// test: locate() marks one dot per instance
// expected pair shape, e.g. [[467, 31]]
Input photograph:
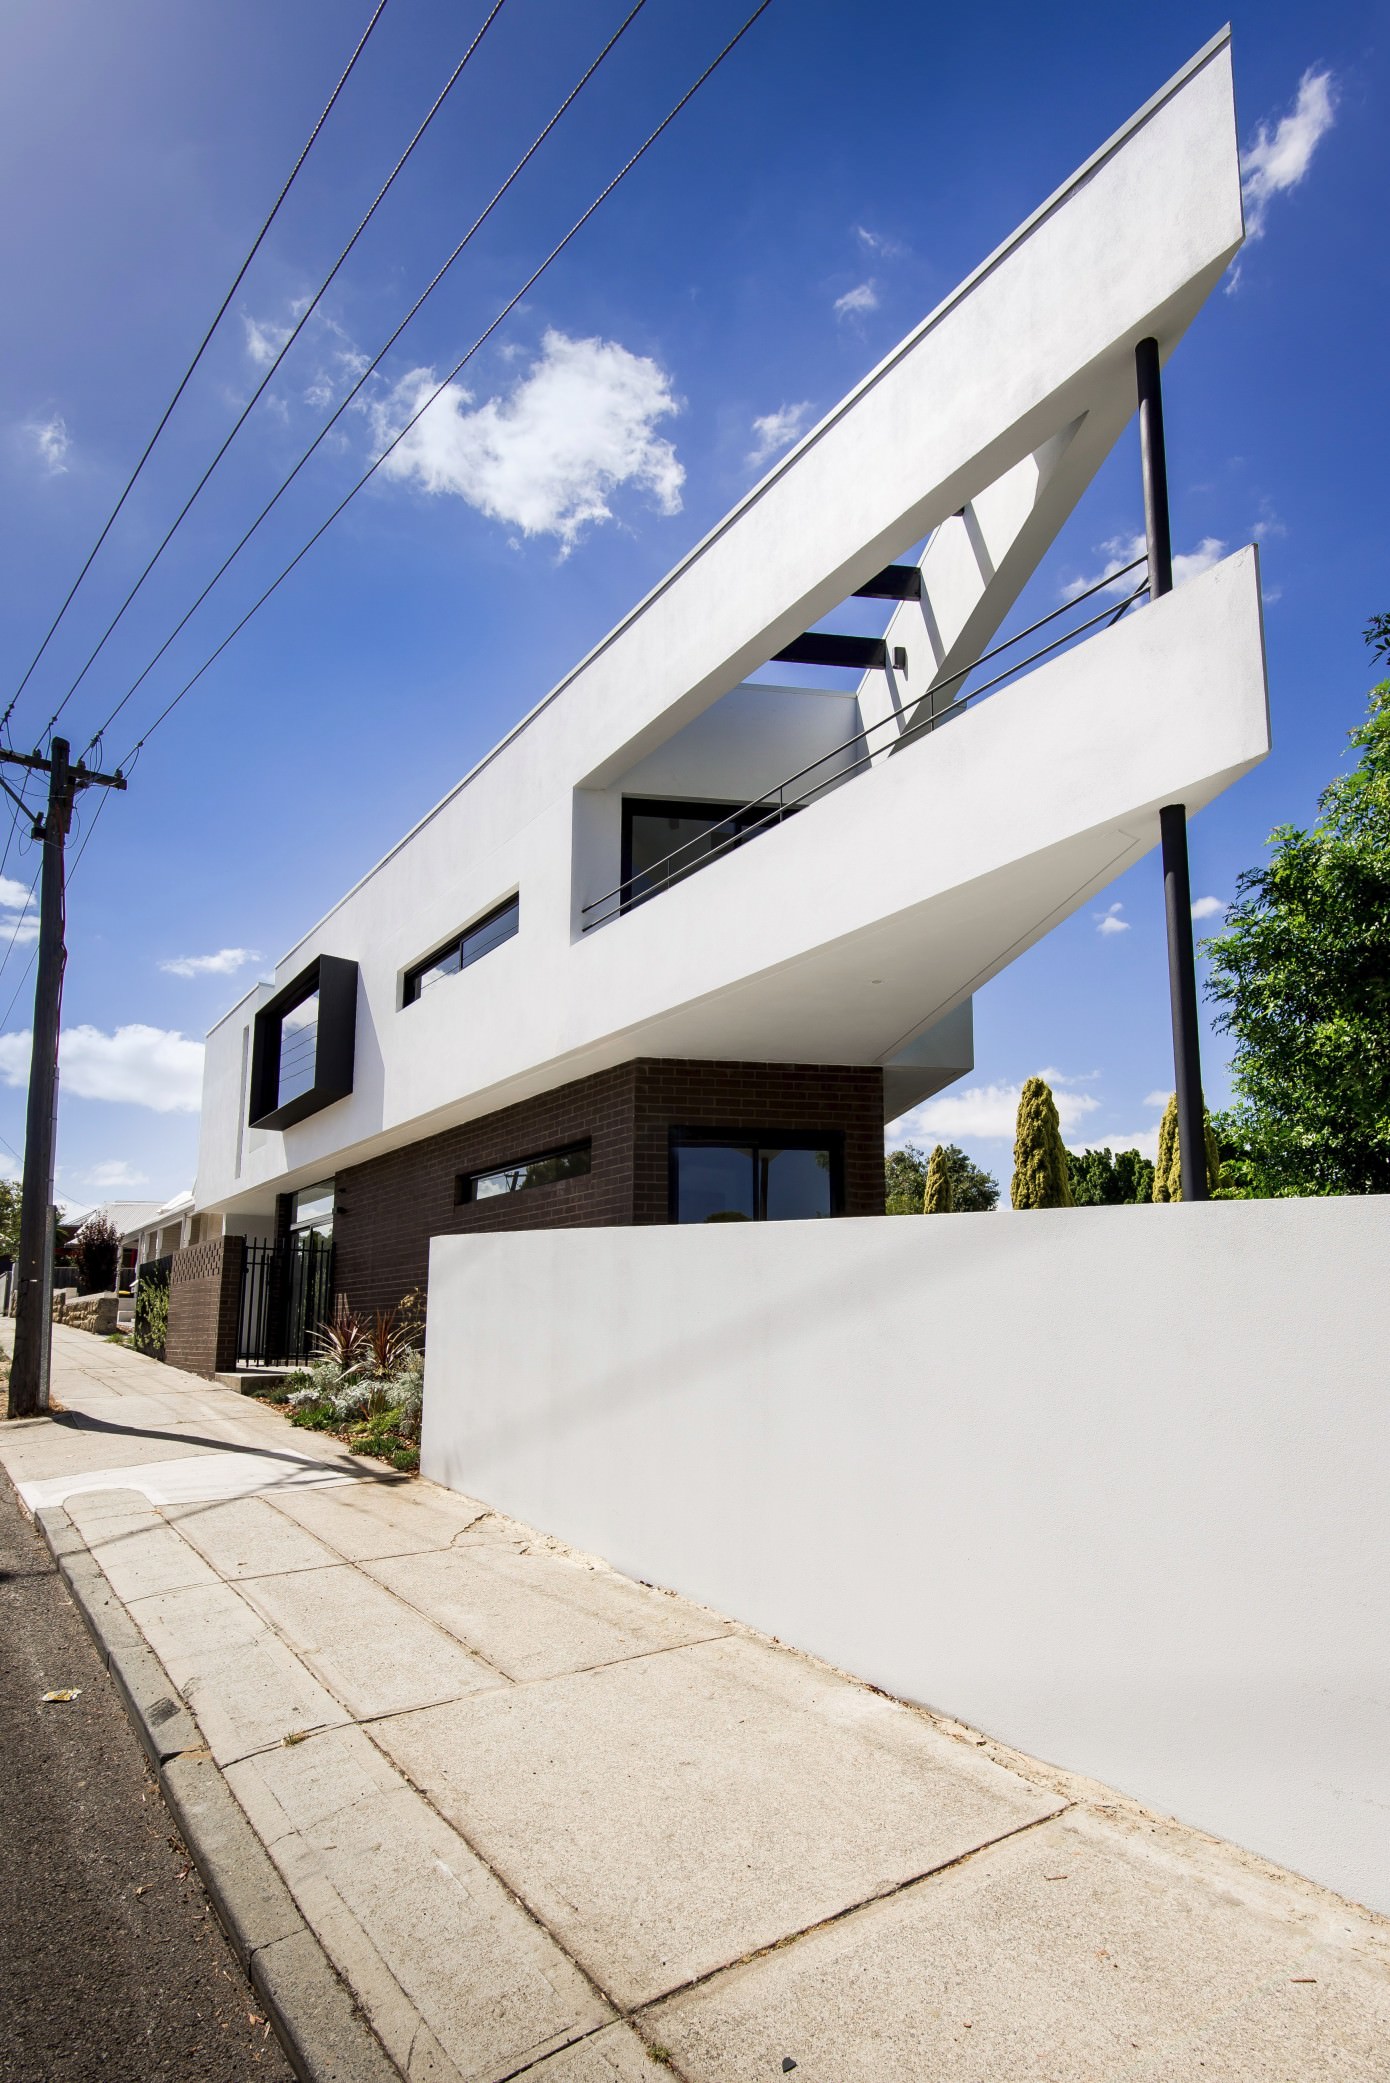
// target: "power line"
[[440, 388], [188, 372], [305, 315], [366, 373]]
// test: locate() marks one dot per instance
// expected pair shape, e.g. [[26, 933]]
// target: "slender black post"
[[33, 1317], [1172, 818]]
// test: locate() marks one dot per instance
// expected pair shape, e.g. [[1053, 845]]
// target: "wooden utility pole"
[[34, 1314]]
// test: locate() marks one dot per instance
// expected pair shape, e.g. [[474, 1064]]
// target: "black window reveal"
[[728, 1175], [467, 947], [527, 1172], [303, 1042]]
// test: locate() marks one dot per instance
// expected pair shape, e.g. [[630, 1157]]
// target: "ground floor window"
[[728, 1176], [525, 1173]]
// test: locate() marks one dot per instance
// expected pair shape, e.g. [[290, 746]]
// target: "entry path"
[[546, 1821]]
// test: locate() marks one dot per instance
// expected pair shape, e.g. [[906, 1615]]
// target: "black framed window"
[[547, 1169], [464, 949], [730, 1175], [695, 832], [303, 1044]]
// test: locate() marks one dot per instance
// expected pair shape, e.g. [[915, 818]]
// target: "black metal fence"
[[286, 1294]]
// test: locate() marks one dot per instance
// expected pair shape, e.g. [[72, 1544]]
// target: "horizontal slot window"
[[467, 947], [546, 1170]]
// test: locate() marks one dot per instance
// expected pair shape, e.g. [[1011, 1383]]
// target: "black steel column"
[[1177, 889]]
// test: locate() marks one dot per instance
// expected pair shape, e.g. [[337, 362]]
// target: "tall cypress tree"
[[1167, 1184], [1041, 1174], [938, 1198]]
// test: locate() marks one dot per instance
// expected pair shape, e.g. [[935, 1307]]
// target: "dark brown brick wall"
[[204, 1294], [388, 1209]]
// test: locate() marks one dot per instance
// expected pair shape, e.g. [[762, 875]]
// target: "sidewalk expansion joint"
[[840, 1916]]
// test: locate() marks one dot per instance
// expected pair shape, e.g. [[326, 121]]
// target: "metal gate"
[[286, 1294]]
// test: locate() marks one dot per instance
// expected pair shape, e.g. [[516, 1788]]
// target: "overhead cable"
[[188, 372], [440, 388], [369, 370], [303, 319]]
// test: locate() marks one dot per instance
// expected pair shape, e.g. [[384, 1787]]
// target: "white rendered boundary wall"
[[1109, 1484]]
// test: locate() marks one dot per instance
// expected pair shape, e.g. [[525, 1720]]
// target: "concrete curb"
[[315, 2014]]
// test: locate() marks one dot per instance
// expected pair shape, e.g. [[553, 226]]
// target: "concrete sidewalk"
[[543, 1820]]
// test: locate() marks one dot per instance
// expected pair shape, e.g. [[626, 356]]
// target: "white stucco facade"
[[857, 931]]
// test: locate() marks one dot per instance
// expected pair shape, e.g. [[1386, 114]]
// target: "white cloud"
[[140, 1066], [52, 442], [1207, 907], [1157, 1099], [225, 962], [777, 430], [115, 1172], [19, 914], [264, 339], [1121, 550], [879, 242], [1280, 157], [863, 297], [985, 1113], [1110, 921], [547, 457]]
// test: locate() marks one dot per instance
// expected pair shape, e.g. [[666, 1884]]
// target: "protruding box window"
[[302, 1052]]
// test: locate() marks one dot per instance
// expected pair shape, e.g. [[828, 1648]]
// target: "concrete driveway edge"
[[315, 2015]]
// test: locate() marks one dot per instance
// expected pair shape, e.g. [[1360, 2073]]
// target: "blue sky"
[[844, 169]]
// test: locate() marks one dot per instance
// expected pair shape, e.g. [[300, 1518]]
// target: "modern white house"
[[684, 940]]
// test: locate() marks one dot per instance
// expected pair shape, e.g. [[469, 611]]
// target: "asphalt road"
[[112, 1961]]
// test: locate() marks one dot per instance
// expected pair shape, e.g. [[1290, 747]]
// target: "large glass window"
[[779, 1177], [527, 1172], [299, 1041], [470, 946], [694, 832]]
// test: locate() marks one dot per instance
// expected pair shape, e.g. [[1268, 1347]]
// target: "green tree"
[[1302, 979], [936, 1200], [1136, 1177], [1099, 1180], [9, 1218], [973, 1190], [1167, 1174], [904, 1180], [1042, 1178], [96, 1253]]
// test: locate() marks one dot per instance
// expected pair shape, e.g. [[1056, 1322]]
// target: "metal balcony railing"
[[767, 810]]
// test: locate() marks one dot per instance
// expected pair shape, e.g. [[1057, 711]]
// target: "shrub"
[[152, 1310], [96, 1252], [1167, 1184], [937, 1198], [1042, 1178]]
